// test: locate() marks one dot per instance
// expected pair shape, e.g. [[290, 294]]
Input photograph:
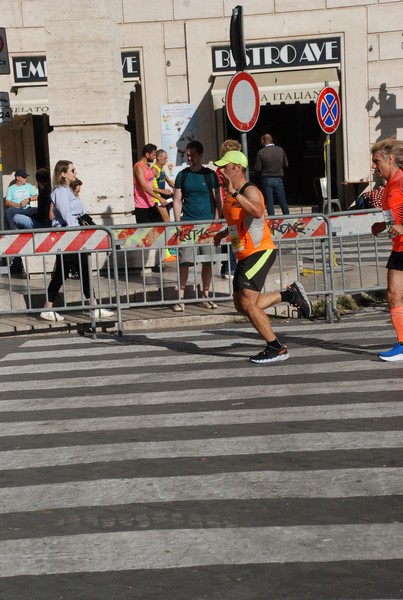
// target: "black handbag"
[[85, 220]]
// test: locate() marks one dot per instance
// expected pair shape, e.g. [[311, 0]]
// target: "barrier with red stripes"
[[156, 236], [66, 240]]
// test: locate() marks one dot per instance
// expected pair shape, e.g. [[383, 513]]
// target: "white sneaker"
[[102, 313], [209, 304], [180, 307], [51, 315]]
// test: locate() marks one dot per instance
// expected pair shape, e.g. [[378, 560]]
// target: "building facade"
[[95, 80]]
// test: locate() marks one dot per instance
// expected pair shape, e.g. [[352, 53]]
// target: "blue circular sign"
[[328, 110]]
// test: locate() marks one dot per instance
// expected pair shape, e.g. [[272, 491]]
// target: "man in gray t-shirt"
[[270, 163]]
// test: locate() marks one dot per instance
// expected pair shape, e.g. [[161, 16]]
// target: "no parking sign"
[[328, 110]]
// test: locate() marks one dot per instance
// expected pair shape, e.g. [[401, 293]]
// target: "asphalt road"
[[165, 466]]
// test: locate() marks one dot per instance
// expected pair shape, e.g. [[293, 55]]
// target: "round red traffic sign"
[[328, 110], [242, 101]]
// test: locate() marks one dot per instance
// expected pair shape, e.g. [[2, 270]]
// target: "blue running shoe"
[[396, 353]]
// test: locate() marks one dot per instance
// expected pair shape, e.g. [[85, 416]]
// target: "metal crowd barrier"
[[307, 237], [38, 249], [359, 257], [130, 266]]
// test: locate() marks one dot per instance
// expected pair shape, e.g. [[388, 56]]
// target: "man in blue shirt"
[[18, 202], [19, 197], [197, 197]]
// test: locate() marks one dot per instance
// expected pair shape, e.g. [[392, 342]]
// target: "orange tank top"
[[392, 206], [247, 233]]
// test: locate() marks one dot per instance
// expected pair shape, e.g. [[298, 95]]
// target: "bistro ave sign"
[[280, 55]]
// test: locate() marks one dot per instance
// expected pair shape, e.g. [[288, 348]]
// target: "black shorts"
[[148, 215], [395, 261], [251, 272]]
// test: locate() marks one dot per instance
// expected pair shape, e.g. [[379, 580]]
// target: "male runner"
[[251, 240]]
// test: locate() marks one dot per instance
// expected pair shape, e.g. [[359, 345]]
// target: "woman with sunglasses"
[[67, 207]]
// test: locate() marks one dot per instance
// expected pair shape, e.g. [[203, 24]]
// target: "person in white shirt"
[[67, 208]]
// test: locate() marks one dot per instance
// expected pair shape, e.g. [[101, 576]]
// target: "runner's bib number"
[[234, 237]]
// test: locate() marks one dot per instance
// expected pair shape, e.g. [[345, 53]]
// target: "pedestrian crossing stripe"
[[167, 454]]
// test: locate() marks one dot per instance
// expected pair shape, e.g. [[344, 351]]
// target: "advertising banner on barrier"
[[188, 234], [159, 236]]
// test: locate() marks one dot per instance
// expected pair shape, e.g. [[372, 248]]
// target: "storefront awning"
[[30, 100], [286, 87]]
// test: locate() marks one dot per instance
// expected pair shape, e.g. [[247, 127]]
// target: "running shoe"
[[269, 355], [396, 353], [300, 299]]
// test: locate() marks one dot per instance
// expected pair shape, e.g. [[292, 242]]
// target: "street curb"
[[23, 325]]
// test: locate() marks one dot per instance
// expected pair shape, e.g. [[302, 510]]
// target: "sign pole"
[[237, 42], [328, 113], [5, 111], [244, 144], [328, 175], [328, 171], [1, 192], [5, 117]]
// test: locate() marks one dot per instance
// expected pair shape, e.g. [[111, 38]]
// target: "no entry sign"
[[242, 101], [328, 110]]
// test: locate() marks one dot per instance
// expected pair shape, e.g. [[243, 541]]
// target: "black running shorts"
[[395, 261], [251, 272]]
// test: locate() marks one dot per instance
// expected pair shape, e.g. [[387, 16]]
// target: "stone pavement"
[[163, 465], [142, 317], [134, 319]]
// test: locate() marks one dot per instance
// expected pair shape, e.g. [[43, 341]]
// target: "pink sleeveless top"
[[141, 198]]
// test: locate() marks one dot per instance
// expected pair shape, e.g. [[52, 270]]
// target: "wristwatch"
[[235, 194]]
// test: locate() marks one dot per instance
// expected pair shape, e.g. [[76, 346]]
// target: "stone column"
[[87, 107]]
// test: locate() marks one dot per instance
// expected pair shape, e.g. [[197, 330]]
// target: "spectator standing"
[[67, 209], [159, 183], [76, 189], [387, 160], [270, 162], [145, 195], [197, 197], [252, 242], [150, 204]]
